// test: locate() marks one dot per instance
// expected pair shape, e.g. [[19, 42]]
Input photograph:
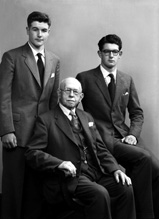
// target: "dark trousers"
[[106, 199], [144, 173], [155, 183], [12, 182]]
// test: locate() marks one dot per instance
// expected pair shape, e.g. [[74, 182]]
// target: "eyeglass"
[[108, 52], [68, 91]]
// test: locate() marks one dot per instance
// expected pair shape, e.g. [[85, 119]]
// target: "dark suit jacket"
[[21, 96], [110, 117], [53, 142]]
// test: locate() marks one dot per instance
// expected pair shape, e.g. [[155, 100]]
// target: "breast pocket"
[[124, 99]]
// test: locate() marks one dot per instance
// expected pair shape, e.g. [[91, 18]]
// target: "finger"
[[7, 145], [117, 178], [73, 171], [123, 139], [123, 179], [67, 173], [129, 181], [11, 144], [15, 142]]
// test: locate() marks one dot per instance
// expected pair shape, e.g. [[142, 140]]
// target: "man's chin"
[[71, 106], [37, 45]]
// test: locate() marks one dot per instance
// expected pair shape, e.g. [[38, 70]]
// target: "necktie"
[[40, 67], [111, 87], [74, 121]]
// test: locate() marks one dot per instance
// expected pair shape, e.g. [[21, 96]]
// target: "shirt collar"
[[106, 73], [35, 52], [66, 111]]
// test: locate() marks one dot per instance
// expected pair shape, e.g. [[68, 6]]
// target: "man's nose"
[[71, 93], [111, 54], [39, 33]]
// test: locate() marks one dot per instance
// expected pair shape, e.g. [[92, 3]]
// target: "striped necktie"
[[74, 121]]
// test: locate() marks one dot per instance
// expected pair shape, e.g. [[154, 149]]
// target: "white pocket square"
[[126, 93], [90, 124], [52, 75]]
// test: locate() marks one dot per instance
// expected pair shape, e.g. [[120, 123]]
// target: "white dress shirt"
[[106, 74], [66, 111], [35, 54]]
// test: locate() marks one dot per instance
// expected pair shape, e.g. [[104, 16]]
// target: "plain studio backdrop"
[[77, 26]]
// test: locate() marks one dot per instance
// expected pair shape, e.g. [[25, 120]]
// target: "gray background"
[[77, 26]]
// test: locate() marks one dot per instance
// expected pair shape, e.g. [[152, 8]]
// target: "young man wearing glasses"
[[108, 93]]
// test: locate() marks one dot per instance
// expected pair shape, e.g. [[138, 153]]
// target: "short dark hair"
[[111, 38], [38, 16]]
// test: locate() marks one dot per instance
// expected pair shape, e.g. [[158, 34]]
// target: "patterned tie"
[[40, 65], [111, 87], [74, 121]]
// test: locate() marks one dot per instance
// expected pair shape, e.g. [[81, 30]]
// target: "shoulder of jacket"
[[90, 71], [14, 50], [53, 55], [124, 74]]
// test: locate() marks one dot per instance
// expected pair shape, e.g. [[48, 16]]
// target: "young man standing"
[[29, 79], [108, 93]]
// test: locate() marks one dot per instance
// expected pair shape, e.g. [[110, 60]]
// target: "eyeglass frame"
[[107, 52], [69, 90]]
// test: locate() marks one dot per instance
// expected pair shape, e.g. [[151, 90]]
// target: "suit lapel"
[[119, 87], [104, 89], [84, 122], [31, 63], [63, 123], [48, 66], [101, 84]]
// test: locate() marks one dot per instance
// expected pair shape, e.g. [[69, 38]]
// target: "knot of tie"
[[39, 55], [111, 76], [74, 121]]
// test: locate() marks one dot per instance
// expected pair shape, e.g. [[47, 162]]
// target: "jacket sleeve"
[[135, 112], [36, 153], [54, 94], [7, 69]]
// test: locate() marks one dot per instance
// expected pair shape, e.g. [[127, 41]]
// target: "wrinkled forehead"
[[71, 83]]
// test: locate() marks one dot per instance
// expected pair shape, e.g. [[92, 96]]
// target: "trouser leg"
[[138, 164], [12, 183], [155, 185], [95, 198], [122, 198], [155, 178]]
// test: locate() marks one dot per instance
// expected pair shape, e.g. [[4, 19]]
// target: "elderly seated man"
[[66, 139]]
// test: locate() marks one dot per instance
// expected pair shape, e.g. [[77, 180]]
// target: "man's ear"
[[120, 53], [99, 53], [59, 93], [27, 30], [81, 97]]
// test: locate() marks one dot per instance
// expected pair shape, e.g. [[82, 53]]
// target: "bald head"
[[73, 81]]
